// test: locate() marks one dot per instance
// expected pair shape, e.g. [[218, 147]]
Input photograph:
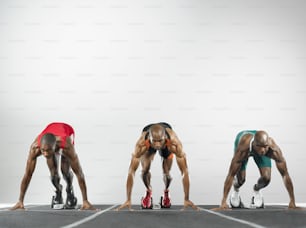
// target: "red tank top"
[[61, 130]]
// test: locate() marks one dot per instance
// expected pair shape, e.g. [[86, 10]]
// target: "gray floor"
[[43, 217]]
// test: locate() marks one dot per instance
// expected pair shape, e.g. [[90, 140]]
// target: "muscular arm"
[[69, 152], [233, 170], [282, 168], [30, 167], [176, 147], [140, 149], [240, 154], [130, 178]]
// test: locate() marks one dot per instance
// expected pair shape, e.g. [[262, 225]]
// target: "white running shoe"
[[235, 199], [257, 200]]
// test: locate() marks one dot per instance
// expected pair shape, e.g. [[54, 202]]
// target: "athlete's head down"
[[261, 142], [157, 136], [48, 145]]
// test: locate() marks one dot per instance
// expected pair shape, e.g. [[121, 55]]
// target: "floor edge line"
[[251, 224], [91, 217]]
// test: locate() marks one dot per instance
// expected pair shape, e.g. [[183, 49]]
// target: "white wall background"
[[108, 68]]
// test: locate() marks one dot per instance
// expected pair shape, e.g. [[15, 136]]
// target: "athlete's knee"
[[167, 177], [146, 177], [266, 179], [55, 179], [146, 174], [238, 182], [262, 182], [68, 177], [266, 176], [65, 164], [241, 180], [184, 172]]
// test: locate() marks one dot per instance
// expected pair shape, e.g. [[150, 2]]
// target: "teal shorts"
[[261, 161]]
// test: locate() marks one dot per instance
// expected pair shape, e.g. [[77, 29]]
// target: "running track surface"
[[43, 216]]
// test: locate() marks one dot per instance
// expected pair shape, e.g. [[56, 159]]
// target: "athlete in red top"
[[157, 137], [56, 139]]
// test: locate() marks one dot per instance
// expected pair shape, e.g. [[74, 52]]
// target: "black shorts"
[[164, 153]]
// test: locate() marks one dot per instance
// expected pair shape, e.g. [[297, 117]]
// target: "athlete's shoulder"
[[35, 149], [244, 143], [273, 146], [142, 145], [247, 137], [172, 138], [171, 134], [142, 139]]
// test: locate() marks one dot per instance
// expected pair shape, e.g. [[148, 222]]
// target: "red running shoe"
[[147, 201], [165, 201]]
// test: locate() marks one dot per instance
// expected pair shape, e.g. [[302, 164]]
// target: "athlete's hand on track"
[[292, 206], [18, 205], [127, 204], [223, 206], [189, 203], [87, 206]]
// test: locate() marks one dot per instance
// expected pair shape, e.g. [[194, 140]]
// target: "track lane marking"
[[91, 217], [251, 224], [7, 207]]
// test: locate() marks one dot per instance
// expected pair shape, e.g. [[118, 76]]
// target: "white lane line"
[[7, 207], [154, 211], [32, 206], [251, 224], [4, 209], [89, 217]]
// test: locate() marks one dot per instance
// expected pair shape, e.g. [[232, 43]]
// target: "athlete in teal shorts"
[[261, 161], [263, 148]]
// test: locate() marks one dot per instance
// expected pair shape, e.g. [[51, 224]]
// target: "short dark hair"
[[48, 139]]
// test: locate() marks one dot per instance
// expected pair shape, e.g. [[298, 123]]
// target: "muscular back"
[[243, 148], [244, 151]]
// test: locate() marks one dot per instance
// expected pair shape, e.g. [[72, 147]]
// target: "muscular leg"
[[167, 164], [53, 167], [71, 200], [55, 179], [239, 180], [67, 173], [146, 160], [235, 199], [264, 180], [165, 200]]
